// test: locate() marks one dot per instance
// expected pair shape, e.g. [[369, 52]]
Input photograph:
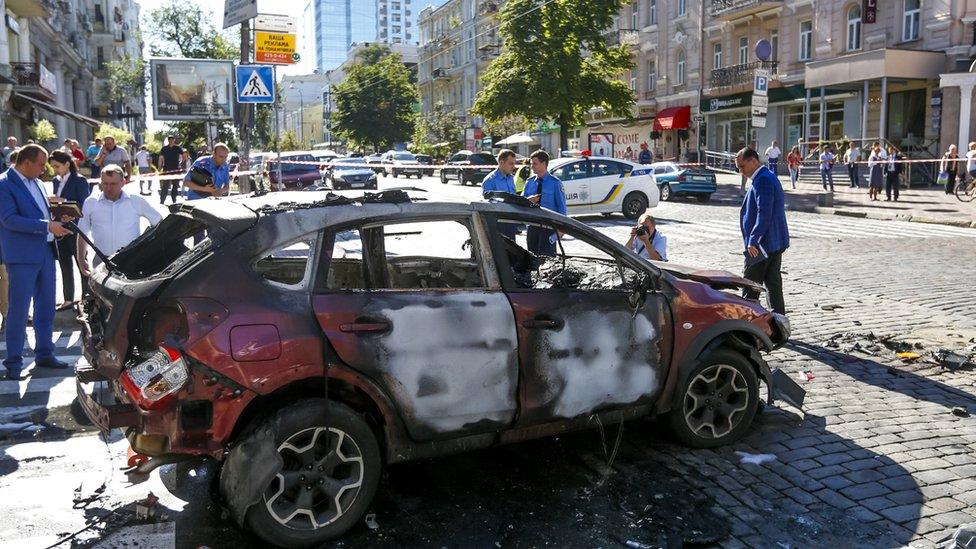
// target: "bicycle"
[[966, 192]]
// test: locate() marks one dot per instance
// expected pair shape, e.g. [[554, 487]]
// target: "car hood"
[[719, 280], [354, 172]]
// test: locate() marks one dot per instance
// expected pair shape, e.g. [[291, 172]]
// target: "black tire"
[[704, 197], [393, 173], [666, 194], [443, 178], [306, 421], [722, 388], [634, 205]]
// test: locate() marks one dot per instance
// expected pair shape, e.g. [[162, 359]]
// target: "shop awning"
[[673, 118], [58, 110], [874, 64]]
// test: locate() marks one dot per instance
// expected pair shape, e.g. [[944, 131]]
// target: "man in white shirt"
[[772, 156], [648, 242], [112, 217], [143, 165], [971, 160]]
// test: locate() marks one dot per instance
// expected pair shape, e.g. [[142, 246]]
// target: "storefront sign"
[[870, 11], [274, 47], [728, 102], [618, 141]]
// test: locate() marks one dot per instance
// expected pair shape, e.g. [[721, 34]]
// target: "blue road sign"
[[255, 84]]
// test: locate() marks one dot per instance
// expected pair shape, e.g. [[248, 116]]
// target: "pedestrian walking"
[[851, 157], [111, 153], [27, 237], [876, 168], [793, 161], [169, 166], [765, 234], [90, 154], [143, 163], [8, 150], [645, 154], [502, 179], [949, 169], [827, 167], [546, 190], [971, 160], [893, 173], [772, 157], [71, 186], [112, 217]]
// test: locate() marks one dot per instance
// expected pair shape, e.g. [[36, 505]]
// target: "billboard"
[[192, 89]]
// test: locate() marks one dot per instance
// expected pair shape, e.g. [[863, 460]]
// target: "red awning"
[[674, 118]]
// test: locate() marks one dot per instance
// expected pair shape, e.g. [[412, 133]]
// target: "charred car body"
[[304, 344]]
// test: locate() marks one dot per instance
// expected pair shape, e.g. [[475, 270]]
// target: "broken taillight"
[[153, 382]]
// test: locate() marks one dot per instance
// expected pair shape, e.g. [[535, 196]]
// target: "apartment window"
[[913, 11], [682, 7], [635, 16], [680, 68], [717, 56], [633, 80], [774, 42], [806, 40], [743, 50], [651, 75], [854, 28], [652, 12]]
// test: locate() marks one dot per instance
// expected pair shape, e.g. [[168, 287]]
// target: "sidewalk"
[[922, 205]]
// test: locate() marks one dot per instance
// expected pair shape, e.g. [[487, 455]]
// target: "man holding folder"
[[762, 220], [27, 237]]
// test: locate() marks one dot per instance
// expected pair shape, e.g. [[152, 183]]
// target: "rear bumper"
[[99, 403], [693, 188]]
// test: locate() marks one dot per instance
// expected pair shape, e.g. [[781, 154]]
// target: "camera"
[[641, 230]]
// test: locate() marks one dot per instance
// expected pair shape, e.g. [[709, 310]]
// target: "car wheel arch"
[[737, 335]]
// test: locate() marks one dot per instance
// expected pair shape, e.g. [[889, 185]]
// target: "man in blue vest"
[[762, 220], [546, 190], [27, 237]]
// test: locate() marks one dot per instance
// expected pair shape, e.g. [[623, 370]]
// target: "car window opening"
[[165, 247], [285, 265]]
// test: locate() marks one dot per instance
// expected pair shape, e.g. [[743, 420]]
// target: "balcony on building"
[[31, 8], [739, 75], [727, 10], [488, 7], [438, 73], [34, 79]]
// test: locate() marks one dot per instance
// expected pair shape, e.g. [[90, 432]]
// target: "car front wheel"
[[717, 402], [329, 474], [634, 205], [665, 192]]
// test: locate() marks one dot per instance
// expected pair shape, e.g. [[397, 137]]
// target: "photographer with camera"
[[646, 241]]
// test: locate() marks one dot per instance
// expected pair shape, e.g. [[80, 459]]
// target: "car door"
[[575, 185], [410, 305], [606, 184], [454, 172], [582, 346]]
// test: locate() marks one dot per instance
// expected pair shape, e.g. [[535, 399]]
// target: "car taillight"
[[682, 178], [153, 382]]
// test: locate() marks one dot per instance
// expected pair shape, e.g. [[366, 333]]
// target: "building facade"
[[115, 36]]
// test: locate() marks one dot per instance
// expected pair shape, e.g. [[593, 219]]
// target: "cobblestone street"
[[878, 458]]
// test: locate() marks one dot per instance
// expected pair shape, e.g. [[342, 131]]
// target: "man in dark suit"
[[27, 237], [762, 221]]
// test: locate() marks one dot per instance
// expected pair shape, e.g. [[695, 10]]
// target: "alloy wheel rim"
[[320, 478], [635, 208], [665, 192], [716, 401]]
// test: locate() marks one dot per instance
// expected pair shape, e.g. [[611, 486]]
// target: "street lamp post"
[[301, 111]]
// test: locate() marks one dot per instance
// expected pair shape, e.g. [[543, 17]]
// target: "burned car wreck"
[[307, 339]]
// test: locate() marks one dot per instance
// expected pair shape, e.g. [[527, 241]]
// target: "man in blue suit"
[[765, 235], [27, 237]]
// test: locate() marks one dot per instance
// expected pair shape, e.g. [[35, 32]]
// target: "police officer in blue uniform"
[[546, 190], [502, 179]]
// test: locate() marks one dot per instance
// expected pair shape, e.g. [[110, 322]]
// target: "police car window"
[[285, 265], [571, 171], [602, 168]]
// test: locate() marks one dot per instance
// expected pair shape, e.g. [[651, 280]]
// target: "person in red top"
[[793, 161], [76, 152]]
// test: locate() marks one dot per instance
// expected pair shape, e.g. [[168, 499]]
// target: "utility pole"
[[245, 113]]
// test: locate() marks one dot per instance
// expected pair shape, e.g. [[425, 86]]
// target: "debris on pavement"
[[754, 459], [831, 307], [951, 360], [805, 376], [83, 502], [960, 411], [146, 508], [371, 522], [963, 538], [909, 356]]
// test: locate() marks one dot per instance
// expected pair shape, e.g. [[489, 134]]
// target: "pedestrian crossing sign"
[[255, 84]]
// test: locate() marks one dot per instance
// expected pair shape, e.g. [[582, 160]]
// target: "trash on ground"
[[952, 360], [963, 538], [960, 411], [371, 522], [146, 509], [805, 376], [831, 307], [909, 356], [755, 459]]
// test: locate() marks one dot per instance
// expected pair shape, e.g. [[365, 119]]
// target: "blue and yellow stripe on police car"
[[611, 196]]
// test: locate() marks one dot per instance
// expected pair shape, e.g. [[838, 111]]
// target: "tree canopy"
[[555, 64], [441, 125], [375, 103]]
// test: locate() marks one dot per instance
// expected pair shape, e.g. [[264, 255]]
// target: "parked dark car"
[[297, 171], [351, 173], [426, 160], [456, 167], [307, 341]]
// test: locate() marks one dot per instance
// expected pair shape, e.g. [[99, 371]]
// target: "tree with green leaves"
[[507, 126], [556, 64], [374, 105], [127, 77], [441, 125], [183, 29]]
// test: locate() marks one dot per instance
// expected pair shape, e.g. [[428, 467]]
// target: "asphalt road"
[[878, 459]]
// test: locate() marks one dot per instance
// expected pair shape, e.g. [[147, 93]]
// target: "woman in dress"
[[70, 186], [876, 167]]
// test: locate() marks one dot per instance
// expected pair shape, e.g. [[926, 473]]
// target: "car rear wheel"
[[443, 177], [704, 197], [329, 474], [666, 192], [393, 173], [717, 402], [635, 204]]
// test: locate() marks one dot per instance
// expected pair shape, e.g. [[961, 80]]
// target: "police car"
[[603, 185]]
